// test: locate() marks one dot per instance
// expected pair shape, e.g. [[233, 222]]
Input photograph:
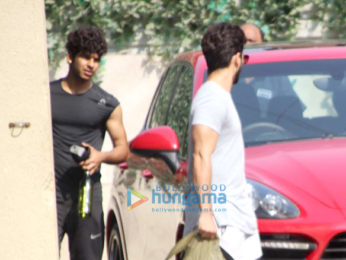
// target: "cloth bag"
[[197, 248]]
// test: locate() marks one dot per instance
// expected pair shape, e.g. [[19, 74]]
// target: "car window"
[[178, 115], [164, 96], [153, 102], [293, 100]]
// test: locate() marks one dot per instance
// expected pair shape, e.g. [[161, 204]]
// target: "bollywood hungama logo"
[[138, 195]]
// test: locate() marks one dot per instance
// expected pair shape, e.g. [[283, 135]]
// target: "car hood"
[[316, 166]]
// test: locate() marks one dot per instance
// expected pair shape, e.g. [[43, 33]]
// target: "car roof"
[[190, 57], [296, 54], [283, 52], [267, 46]]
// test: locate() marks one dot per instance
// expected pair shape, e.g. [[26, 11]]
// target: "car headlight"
[[269, 204]]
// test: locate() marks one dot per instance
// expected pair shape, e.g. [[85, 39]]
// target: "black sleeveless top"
[[76, 119]]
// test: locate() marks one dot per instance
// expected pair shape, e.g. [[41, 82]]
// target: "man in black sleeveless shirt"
[[81, 113]]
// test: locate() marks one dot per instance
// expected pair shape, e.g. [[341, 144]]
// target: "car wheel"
[[115, 249]]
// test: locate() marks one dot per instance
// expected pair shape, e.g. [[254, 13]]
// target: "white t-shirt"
[[214, 107]]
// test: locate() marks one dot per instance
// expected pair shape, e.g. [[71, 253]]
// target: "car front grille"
[[286, 247], [336, 248]]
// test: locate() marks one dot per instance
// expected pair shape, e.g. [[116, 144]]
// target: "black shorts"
[[86, 236]]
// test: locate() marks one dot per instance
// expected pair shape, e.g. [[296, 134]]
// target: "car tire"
[[115, 248]]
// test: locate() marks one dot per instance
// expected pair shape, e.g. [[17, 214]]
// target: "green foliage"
[[332, 14], [277, 18], [167, 27]]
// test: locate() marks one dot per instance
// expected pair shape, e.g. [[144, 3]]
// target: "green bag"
[[197, 248]]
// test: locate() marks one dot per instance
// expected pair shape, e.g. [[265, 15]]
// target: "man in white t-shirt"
[[216, 156]]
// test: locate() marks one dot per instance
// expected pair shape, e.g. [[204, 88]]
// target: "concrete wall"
[[27, 201]]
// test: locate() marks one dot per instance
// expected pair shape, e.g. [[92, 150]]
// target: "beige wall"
[[27, 201]]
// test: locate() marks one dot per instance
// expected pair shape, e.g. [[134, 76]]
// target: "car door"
[[177, 117], [144, 230]]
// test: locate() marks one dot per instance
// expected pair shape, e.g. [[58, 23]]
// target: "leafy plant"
[[278, 19], [332, 14], [167, 27]]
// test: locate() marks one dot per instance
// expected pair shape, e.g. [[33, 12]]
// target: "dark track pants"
[[86, 236]]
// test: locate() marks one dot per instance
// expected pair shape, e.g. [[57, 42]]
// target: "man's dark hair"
[[220, 42], [87, 39]]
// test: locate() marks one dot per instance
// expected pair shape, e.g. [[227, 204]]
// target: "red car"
[[292, 105]]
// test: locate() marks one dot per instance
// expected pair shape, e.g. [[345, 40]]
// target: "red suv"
[[292, 105]]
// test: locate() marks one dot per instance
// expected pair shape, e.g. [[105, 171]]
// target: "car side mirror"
[[159, 142]]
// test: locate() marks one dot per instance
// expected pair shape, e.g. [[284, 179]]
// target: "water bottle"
[[85, 196], [80, 153]]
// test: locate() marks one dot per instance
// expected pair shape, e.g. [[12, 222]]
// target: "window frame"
[[188, 66], [157, 95]]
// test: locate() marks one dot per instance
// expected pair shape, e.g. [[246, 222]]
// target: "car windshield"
[[287, 101]]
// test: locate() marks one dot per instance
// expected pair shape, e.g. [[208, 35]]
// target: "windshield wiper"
[[256, 143]]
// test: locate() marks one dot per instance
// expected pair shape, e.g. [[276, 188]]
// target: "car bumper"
[[319, 237]]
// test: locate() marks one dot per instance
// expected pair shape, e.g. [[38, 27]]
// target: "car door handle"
[[147, 174], [123, 166]]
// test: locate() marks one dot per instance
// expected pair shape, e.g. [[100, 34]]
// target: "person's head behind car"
[[253, 33]]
